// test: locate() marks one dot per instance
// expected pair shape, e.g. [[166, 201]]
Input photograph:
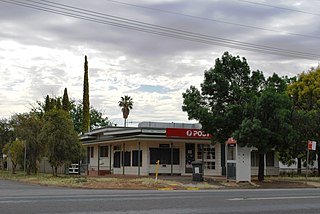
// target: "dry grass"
[[121, 182]]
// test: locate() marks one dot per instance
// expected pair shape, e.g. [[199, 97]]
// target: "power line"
[[278, 7], [214, 20], [101, 18]]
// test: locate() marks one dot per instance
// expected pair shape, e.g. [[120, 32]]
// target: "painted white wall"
[[243, 170]]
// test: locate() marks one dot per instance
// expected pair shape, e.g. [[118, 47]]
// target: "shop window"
[[104, 151], [270, 158], [209, 155], [88, 154], [92, 152], [254, 158], [117, 147], [164, 155], [127, 158], [135, 158], [116, 160], [210, 165], [208, 151]]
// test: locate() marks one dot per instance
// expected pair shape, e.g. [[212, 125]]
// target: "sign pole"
[[307, 165], [157, 170]]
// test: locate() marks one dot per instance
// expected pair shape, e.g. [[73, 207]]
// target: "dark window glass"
[[116, 160], [104, 151], [270, 158], [164, 155], [254, 158], [117, 147], [127, 158], [92, 152], [88, 154], [135, 158]]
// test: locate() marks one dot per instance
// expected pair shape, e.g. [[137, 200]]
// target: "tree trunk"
[[56, 171], [299, 166], [14, 168], [125, 122], [261, 167]]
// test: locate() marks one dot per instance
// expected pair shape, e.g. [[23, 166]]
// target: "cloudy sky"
[[151, 50]]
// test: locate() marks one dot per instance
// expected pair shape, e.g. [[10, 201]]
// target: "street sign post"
[[312, 145]]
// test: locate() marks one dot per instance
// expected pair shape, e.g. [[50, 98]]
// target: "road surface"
[[25, 198]]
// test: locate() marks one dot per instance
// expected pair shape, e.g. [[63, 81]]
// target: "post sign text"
[[186, 133]]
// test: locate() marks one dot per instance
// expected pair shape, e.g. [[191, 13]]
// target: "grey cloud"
[[153, 56]]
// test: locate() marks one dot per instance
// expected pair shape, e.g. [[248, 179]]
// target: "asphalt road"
[[24, 198]]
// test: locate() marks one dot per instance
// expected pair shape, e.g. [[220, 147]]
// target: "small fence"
[[294, 172]]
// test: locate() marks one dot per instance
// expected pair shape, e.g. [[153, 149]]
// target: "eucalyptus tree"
[[15, 151], [60, 139], [7, 133], [28, 126], [267, 123], [305, 94], [234, 101]]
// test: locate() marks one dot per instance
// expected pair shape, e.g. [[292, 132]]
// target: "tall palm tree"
[[126, 104]]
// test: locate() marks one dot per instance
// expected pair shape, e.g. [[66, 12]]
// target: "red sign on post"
[[187, 133], [312, 145]]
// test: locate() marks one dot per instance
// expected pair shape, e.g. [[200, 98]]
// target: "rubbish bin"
[[197, 171]]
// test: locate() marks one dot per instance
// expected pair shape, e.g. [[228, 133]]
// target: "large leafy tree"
[[126, 104], [15, 151], [224, 93], [7, 133], [85, 100], [97, 119], [305, 93], [27, 127], [62, 143], [266, 124], [232, 102]]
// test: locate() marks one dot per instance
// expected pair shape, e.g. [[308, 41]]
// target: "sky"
[[150, 50]]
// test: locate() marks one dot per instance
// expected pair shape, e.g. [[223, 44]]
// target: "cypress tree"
[[86, 104], [47, 104], [58, 103], [65, 101]]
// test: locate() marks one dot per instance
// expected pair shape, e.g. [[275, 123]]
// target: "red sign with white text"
[[187, 133], [312, 145]]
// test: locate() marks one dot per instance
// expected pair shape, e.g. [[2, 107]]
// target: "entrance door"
[[190, 156]]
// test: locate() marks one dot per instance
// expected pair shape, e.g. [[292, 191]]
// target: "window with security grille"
[[104, 151], [209, 155], [135, 158], [164, 156]]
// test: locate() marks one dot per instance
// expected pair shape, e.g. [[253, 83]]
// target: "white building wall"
[[146, 167]]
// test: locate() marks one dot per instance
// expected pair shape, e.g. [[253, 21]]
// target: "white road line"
[[274, 198]]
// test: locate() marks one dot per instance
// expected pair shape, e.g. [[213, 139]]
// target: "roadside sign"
[[312, 145]]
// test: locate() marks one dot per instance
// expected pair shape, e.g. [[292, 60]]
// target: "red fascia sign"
[[187, 133]]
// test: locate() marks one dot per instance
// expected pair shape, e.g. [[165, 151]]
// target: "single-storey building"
[[135, 151]]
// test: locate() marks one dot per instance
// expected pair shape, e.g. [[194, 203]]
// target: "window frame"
[[104, 151]]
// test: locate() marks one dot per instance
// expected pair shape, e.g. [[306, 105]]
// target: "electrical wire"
[[93, 16], [278, 7], [214, 20]]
